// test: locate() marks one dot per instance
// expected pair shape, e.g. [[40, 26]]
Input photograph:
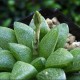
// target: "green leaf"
[[51, 74], [24, 34], [23, 71], [5, 75], [39, 63], [60, 58], [6, 35], [48, 43], [6, 60], [21, 52], [63, 34], [75, 66]]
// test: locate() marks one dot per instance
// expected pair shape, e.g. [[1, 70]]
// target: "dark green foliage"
[[11, 10]]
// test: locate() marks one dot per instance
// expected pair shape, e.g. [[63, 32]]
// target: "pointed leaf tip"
[[37, 19]]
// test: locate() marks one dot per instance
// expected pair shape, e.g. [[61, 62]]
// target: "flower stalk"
[[37, 22]]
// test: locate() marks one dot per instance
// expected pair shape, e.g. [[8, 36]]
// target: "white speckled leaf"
[[23, 71], [51, 74], [6, 60], [63, 33], [24, 34], [6, 35], [60, 58], [21, 52]]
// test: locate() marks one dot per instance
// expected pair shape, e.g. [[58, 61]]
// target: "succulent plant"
[[37, 52]]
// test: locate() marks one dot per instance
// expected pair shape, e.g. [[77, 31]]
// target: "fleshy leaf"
[[6, 35], [51, 74], [60, 58], [5, 75], [24, 34], [39, 63], [48, 43], [6, 60], [75, 66], [63, 33], [21, 52], [23, 71]]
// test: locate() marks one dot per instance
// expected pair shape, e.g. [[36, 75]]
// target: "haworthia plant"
[[38, 50], [48, 43], [63, 33], [24, 34], [44, 28], [21, 52], [75, 66], [6, 35], [51, 74], [5, 75], [23, 71], [39, 63], [60, 58], [6, 60]]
